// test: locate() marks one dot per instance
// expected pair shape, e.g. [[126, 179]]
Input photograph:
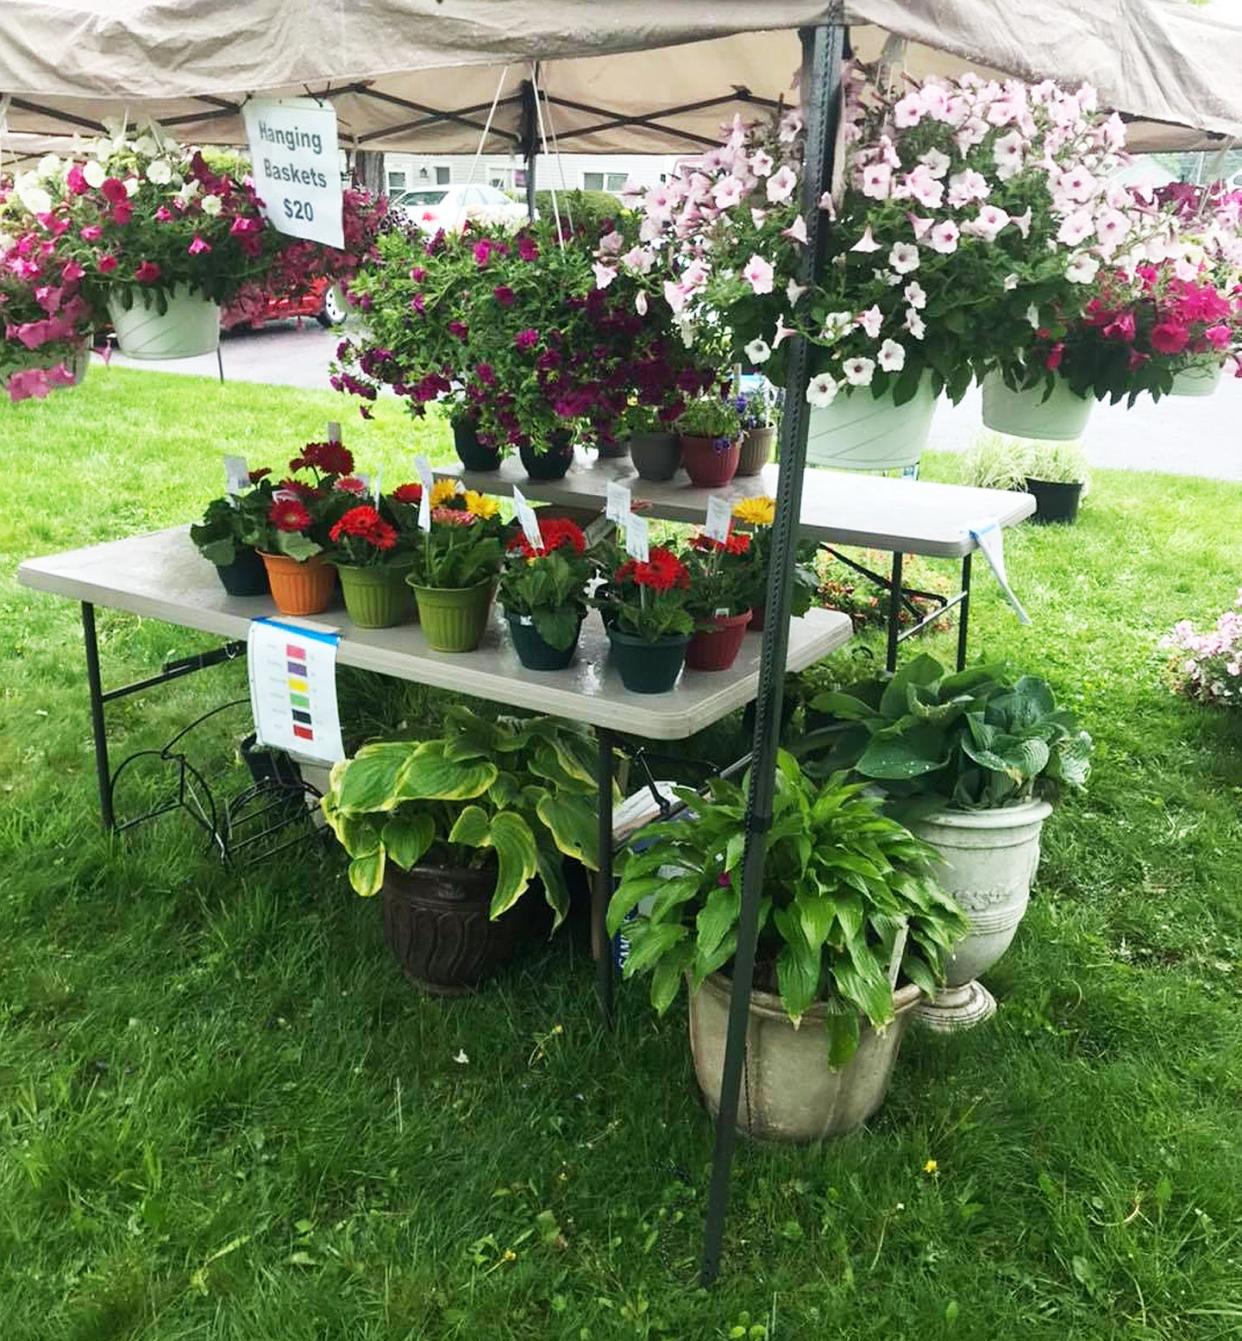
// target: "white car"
[[448, 207]]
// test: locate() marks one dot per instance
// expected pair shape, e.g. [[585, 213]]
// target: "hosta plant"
[[974, 740], [848, 909], [519, 794]]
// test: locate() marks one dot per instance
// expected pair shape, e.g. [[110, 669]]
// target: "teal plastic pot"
[[454, 619], [533, 650], [376, 598], [646, 667], [245, 576]]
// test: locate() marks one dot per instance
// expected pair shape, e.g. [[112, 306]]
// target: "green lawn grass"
[[224, 1115]]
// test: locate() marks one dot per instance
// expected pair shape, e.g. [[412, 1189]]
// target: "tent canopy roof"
[[631, 76]]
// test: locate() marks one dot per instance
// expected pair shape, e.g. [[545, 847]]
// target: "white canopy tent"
[[631, 76]]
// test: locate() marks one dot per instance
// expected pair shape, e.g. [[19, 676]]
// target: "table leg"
[[894, 613], [601, 894], [99, 726], [963, 614]]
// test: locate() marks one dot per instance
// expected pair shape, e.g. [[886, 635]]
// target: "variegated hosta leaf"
[[428, 776], [407, 837], [366, 874], [368, 781], [573, 822], [516, 859], [472, 828]]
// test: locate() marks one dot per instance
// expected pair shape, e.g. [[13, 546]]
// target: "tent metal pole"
[[822, 52], [528, 140]]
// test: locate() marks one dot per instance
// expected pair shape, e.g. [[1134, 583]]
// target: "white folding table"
[[162, 576], [900, 516]]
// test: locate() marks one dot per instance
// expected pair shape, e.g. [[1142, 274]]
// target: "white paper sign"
[[334, 431], [292, 672], [991, 540], [719, 518], [423, 468], [527, 519], [617, 502], [296, 166], [236, 475], [636, 538]]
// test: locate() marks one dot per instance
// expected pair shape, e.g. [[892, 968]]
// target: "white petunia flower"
[[915, 324], [892, 356], [159, 171], [49, 165], [836, 324], [758, 351], [904, 257], [871, 320], [131, 186], [1011, 282], [1082, 268], [858, 371], [821, 391], [211, 205], [31, 194], [914, 294]]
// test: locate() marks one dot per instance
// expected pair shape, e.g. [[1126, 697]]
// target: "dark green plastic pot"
[[245, 576], [470, 451], [534, 652], [645, 667]]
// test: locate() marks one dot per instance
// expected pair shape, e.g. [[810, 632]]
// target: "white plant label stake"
[[636, 538], [427, 479], [334, 431], [719, 518], [528, 521], [375, 492], [617, 503], [236, 475]]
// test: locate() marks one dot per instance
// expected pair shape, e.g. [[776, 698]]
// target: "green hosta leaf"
[[552, 873], [1071, 761], [797, 976], [366, 874], [369, 780], [516, 858], [716, 918], [978, 681], [707, 964], [1019, 760], [649, 942], [843, 1026], [472, 828], [898, 752], [917, 970], [920, 670], [628, 895], [849, 908], [573, 823], [866, 988], [357, 834], [407, 837], [672, 894], [666, 980], [505, 791], [428, 776], [816, 915]]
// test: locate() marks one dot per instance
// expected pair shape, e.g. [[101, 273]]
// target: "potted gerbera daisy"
[[372, 564], [296, 526], [454, 570], [723, 587], [644, 606], [755, 516], [543, 593]]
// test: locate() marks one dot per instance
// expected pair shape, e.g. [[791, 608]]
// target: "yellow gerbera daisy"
[[756, 511], [480, 504], [442, 490]]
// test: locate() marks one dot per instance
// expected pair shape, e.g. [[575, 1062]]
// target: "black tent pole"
[[528, 143], [820, 86]]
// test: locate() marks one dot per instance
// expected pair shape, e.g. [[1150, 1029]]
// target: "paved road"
[[1182, 435]]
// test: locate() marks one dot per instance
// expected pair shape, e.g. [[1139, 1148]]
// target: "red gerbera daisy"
[[332, 458], [662, 572], [365, 524], [558, 533], [408, 493], [288, 514]]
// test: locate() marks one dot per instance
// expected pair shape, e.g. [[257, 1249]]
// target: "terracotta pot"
[[756, 450], [376, 598], [304, 588], [454, 619], [757, 616], [436, 923], [656, 456], [788, 1091], [716, 649], [245, 576], [710, 462]]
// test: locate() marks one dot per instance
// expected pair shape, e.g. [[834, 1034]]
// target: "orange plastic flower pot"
[[300, 588]]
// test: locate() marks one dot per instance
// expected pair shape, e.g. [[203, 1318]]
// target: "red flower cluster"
[[407, 493], [737, 543], [332, 458], [364, 523], [306, 492], [288, 514], [558, 533], [662, 572]]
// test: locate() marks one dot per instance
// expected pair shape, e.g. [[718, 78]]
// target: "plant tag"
[[423, 467], [528, 521], [636, 538], [236, 475], [617, 502], [719, 518], [721, 612], [598, 529], [375, 491], [334, 431]]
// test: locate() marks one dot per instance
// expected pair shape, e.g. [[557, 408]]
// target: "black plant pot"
[[648, 667], [245, 576], [1054, 502], [533, 651], [436, 923], [470, 451], [267, 765], [550, 464]]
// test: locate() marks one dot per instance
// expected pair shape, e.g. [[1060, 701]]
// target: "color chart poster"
[[293, 689]]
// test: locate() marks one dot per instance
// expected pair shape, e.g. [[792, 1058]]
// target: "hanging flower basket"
[[861, 432], [1200, 379], [189, 325], [1062, 417]]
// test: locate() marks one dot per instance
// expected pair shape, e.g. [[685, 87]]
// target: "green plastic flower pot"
[[376, 598], [646, 667], [454, 619], [533, 651]]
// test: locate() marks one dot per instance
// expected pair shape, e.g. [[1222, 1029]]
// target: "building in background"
[[575, 172]]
